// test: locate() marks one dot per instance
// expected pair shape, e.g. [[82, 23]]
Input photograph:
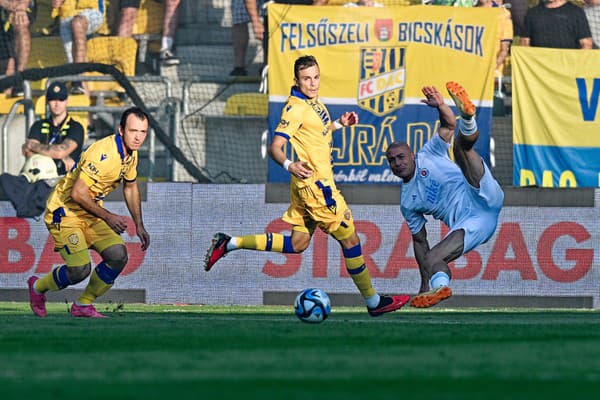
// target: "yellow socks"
[[274, 242], [95, 288], [355, 264]]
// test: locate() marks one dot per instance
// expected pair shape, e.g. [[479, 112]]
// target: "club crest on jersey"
[[347, 215], [102, 157], [382, 79], [73, 239], [424, 172]]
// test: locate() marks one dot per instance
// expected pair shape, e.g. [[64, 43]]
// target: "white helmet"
[[39, 167]]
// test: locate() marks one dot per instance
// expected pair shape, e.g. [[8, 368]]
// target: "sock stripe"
[[269, 244], [356, 271], [106, 274], [287, 245], [59, 274], [353, 252]]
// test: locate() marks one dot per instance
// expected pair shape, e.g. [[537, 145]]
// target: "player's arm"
[[421, 245], [131, 192], [421, 248], [300, 169], [346, 119], [80, 193], [433, 98]]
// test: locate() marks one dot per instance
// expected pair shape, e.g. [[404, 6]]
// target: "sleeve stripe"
[[283, 135]]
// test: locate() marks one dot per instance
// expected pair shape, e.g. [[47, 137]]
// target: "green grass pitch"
[[231, 352]]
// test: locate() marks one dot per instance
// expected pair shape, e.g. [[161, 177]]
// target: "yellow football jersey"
[[102, 166], [307, 125]]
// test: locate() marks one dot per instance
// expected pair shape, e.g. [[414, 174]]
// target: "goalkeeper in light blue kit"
[[461, 193]]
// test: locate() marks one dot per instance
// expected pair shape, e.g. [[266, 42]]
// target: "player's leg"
[[439, 274], [465, 155], [112, 249], [76, 268], [71, 243], [303, 227], [114, 259], [222, 244], [376, 304]]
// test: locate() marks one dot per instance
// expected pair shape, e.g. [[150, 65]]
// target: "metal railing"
[[27, 104], [168, 108]]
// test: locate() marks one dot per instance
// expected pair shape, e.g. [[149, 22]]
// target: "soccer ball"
[[312, 305]]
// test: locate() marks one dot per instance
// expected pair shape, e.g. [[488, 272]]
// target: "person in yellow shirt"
[[78, 19], [77, 220], [315, 200]]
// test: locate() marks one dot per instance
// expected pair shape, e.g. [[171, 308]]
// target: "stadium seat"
[[46, 52], [241, 104], [147, 27], [112, 50], [6, 103]]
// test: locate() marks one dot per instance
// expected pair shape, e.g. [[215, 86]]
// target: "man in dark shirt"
[[54, 141], [59, 136], [557, 24]]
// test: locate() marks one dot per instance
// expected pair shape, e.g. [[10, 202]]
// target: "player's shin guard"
[[274, 242], [101, 281], [55, 280], [355, 264]]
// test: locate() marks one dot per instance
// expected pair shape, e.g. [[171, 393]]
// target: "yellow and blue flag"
[[556, 131], [374, 61]]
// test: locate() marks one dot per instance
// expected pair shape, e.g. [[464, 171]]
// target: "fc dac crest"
[[382, 79]]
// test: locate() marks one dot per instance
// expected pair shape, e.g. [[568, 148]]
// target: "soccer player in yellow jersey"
[[77, 220], [315, 200]]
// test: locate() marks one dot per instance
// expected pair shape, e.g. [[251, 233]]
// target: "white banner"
[[535, 251]]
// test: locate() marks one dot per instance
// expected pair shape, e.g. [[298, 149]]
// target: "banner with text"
[[375, 61], [535, 251], [556, 140]]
